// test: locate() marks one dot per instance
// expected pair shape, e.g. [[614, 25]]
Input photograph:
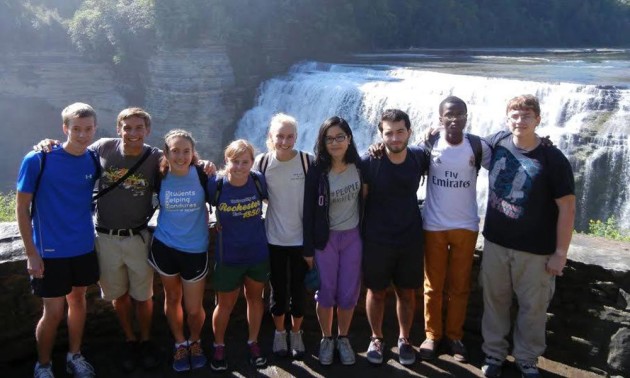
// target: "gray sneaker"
[[78, 367], [346, 353], [375, 351], [43, 371], [326, 349], [406, 353], [297, 345], [280, 344]]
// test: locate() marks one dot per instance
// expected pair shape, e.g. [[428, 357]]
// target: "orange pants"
[[448, 257]]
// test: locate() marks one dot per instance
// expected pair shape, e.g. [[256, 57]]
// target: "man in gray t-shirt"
[[122, 239]]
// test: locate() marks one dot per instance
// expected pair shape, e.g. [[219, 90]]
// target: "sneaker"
[[458, 350], [375, 351], [326, 349], [297, 345], [427, 349], [149, 355], [528, 369], [197, 357], [280, 348], [218, 363], [78, 366], [181, 358], [346, 353], [491, 367], [406, 353], [129, 356], [255, 356], [43, 371]]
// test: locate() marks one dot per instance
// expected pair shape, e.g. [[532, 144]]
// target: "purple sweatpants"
[[339, 265]]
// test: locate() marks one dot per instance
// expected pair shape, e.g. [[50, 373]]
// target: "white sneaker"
[[280, 344], [43, 371], [78, 366], [326, 349], [297, 345], [346, 353]]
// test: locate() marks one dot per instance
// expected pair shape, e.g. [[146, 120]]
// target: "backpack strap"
[[475, 143], [122, 179], [217, 194], [264, 162], [42, 164], [203, 180], [306, 161], [258, 185]]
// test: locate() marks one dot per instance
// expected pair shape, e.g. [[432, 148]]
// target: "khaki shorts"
[[124, 266]]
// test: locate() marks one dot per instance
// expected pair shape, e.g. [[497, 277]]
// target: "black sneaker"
[[129, 356], [218, 363], [149, 355], [255, 356]]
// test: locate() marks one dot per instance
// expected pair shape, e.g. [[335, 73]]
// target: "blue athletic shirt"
[[62, 221], [239, 210], [183, 220]]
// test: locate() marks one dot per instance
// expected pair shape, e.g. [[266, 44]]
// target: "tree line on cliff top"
[[114, 29]]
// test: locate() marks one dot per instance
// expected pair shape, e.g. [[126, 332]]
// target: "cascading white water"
[[587, 122]]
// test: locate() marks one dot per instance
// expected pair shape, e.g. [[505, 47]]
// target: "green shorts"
[[227, 278]]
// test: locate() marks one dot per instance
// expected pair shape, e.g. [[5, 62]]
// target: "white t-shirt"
[[451, 200], [285, 184]]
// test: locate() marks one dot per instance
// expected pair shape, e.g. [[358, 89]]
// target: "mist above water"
[[587, 113]]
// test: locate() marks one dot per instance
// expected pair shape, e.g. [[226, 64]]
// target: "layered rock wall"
[[193, 89]]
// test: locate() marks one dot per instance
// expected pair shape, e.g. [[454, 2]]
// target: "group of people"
[[352, 219]]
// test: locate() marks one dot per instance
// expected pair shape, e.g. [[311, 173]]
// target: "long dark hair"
[[322, 157]]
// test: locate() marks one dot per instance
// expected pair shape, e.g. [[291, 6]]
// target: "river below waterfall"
[[584, 94]]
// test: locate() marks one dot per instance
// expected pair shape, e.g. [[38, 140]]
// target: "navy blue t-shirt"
[[239, 210], [523, 186], [392, 216]]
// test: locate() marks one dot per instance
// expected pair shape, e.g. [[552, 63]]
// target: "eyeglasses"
[[524, 118], [339, 138], [460, 117]]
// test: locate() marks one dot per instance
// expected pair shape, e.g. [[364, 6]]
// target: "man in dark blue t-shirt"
[[528, 228], [393, 232]]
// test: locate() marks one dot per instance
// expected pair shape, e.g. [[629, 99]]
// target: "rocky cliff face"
[[35, 87], [190, 88], [193, 89]]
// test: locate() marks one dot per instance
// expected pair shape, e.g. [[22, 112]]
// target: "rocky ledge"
[[588, 330]]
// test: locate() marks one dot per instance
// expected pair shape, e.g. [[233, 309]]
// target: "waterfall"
[[589, 123]]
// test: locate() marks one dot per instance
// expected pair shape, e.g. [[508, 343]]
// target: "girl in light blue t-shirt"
[[180, 246]]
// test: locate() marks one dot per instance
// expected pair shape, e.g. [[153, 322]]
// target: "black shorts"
[[384, 264], [61, 275], [169, 261]]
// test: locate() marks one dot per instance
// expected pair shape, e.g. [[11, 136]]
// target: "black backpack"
[[203, 180], [257, 183], [475, 143], [42, 164]]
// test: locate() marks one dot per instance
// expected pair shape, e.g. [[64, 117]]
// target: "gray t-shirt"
[[130, 203], [345, 188]]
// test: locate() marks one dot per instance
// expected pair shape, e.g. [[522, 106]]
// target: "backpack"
[[217, 194], [42, 164], [264, 162], [475, 143], [203, 180]]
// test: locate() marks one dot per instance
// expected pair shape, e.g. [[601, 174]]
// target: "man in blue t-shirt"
[[54, 200], [528, 228], [392, 232]]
